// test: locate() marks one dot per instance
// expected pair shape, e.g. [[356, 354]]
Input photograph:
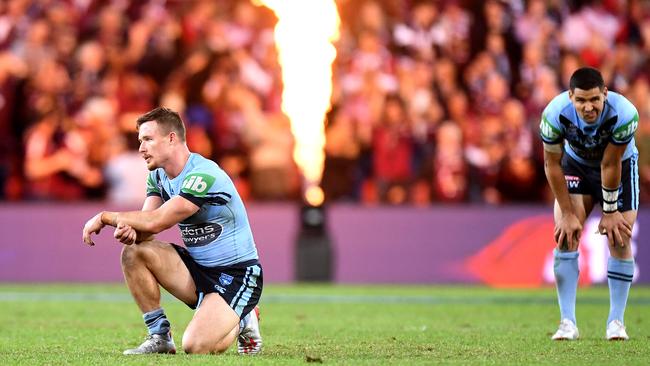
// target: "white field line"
[[280, 298]]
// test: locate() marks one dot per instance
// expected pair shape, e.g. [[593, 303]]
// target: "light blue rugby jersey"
[[218, 234], [586, 142]]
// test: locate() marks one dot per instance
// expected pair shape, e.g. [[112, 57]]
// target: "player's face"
[[588, 103], [153, 144]]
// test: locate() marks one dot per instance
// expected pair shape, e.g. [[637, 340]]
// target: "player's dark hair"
[[586, 78], [167, 119]]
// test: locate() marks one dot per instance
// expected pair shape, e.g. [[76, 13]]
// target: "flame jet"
[[304, 37]]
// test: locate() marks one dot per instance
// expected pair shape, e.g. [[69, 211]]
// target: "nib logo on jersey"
[[197, 184], [200, 235]]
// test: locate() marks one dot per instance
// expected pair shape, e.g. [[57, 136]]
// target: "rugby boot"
[[249, 341], [616, 331], [567, 331], [154, 343]]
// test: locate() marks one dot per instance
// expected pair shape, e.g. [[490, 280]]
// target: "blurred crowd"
[[433, 102]]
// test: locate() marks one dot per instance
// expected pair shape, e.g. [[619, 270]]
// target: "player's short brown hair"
[[167, 119]]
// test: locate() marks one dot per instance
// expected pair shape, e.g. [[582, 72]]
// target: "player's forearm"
[[610, 176], [610, 173], [557, 182], [140, 221]]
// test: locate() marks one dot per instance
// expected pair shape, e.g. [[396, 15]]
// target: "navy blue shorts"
[[239, 284], [583, 179]]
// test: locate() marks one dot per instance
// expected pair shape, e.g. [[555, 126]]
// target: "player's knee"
[[193, 345], [222, 346], [134, 254], [129, 256], [620, 251]]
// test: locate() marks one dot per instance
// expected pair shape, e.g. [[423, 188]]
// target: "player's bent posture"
[[590, 158], [217, 272]]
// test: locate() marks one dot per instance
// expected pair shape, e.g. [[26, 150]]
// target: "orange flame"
[[303, 37]]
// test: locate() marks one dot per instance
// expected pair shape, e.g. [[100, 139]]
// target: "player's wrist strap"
[[610, 199]]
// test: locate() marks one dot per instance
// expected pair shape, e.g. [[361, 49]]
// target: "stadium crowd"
[[433, 102]]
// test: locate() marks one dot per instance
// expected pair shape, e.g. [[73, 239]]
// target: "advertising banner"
[[506, 246]]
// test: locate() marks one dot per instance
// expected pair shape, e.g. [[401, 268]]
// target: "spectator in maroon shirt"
[[392, 151]]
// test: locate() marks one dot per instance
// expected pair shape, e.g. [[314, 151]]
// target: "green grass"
[[344, 325]]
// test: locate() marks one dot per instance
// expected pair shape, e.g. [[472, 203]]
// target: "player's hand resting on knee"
[[567, 233], [618, 230], [125, 234]]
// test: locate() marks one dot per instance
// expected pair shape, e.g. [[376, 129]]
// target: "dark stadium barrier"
[[314, 255], [506, 246]]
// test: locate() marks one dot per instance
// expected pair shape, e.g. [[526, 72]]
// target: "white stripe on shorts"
[[240, 301]]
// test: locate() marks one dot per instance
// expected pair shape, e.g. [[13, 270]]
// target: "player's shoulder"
[[627, 117], [154, 181], [198, 162], [557, 105], [621, 106], [202, 175], [157, 175], [550, 127]]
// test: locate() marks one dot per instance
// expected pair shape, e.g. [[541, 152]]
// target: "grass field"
[[344, 325]]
